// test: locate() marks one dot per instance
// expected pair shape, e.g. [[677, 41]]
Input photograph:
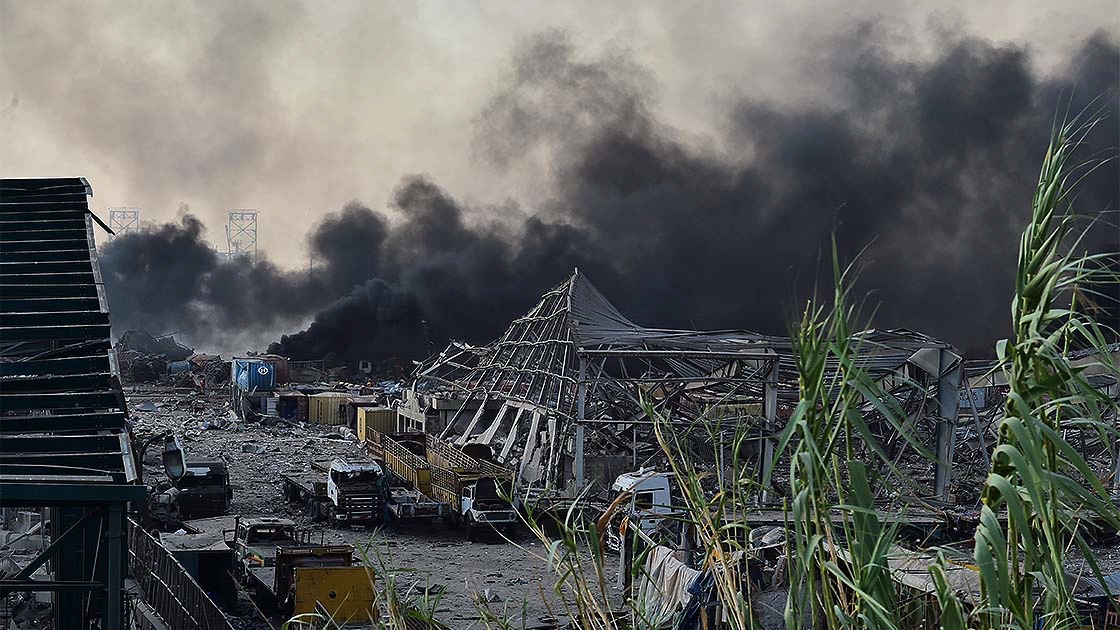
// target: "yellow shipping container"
[[327, 408], [380, 419]]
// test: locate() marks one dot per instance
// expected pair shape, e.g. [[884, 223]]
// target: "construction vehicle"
[[204, 489], [284, 569], [341, 492]]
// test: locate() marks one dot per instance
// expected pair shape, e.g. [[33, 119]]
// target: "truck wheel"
[[471, 529]]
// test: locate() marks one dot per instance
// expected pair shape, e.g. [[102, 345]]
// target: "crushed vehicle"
[[204, 489], [195, 488], [642, 499], [282, 567]]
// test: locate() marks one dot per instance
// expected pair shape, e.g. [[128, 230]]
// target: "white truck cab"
[[484, 503], [355, 491], [643, 498]]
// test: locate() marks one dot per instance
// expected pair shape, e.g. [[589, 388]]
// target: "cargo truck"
[[477, 491], [284, 569], [341, 492], [412, 498]]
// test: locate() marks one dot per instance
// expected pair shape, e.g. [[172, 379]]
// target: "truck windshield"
[[264, 534], [361, 476], [492, 489], [199, 481]]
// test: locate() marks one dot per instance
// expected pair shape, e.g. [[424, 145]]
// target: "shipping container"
[[253, 374], [356, 403], [292, 406], [379, 419], [328, 408]]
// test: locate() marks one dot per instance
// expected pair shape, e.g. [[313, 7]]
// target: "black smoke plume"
[[929, 165]]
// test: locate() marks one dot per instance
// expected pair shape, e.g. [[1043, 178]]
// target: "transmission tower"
[[241, 233], [124, 220]]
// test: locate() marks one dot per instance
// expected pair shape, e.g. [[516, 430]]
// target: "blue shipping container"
[[250, 374]]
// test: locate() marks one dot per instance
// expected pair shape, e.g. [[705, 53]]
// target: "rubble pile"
[[22, 537], [148, 358]]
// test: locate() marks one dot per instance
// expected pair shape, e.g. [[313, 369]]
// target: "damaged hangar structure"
[[561, 395]]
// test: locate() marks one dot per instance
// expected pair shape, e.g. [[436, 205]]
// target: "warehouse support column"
[[581, 402], [948, 400], [770, 414]]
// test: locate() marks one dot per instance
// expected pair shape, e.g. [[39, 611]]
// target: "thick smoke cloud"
[[929, 165], [168, 278]]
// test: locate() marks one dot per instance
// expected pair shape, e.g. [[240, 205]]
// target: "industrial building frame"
[[575, 364], [64, 441]]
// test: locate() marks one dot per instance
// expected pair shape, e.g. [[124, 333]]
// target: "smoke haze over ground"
[[923, 148]]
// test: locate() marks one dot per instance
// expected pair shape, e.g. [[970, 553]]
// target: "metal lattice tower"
[[241, 233], [124, 220]]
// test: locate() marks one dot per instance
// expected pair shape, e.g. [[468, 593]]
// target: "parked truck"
[[411, 498], [343, 493], [283, 568], [478, 502], [478, 490], [204, 490]]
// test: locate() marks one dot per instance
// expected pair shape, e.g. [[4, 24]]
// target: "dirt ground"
[[511, 577]]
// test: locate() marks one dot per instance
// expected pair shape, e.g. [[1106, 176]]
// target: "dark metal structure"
[[64, 441], [574, 365]]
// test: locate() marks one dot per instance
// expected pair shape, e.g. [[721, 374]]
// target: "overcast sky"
[[295, 108]]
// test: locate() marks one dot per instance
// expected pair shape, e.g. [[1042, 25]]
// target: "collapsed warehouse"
[[575, 374], [256, 455]]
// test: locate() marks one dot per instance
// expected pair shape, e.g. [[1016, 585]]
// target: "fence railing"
[[168, 588]]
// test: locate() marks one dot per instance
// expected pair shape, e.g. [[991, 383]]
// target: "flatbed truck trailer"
[[412, 498], [477, 491], [308, 489]]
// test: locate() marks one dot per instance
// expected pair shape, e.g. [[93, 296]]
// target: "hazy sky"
[[295, 108]]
